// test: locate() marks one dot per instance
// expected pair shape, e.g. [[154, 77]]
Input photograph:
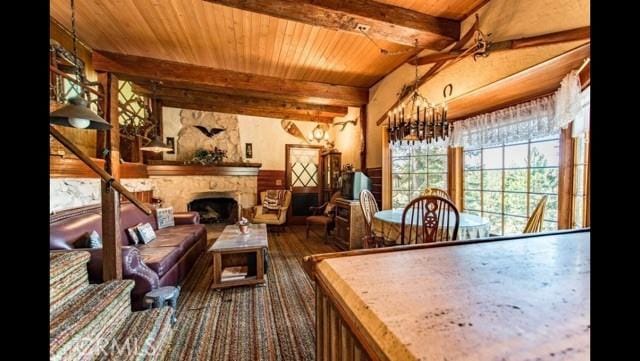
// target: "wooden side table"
[[239, 259]]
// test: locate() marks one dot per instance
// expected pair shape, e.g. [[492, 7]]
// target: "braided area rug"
[[272, 322]]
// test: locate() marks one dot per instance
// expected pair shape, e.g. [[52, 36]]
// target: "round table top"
[[395, 216]]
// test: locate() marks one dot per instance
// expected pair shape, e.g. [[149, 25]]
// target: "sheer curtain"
[[538, 118], [516, 123], [581, 121]]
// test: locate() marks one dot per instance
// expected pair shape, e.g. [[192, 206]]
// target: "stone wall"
[[190, 138], [178, 191], [67, 193]]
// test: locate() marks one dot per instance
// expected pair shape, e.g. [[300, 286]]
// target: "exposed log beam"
[[195, 96], [582, 33], [387, 22], [223, 107], [132, 67]]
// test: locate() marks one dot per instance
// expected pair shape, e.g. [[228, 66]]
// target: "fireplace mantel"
[[176, 168]]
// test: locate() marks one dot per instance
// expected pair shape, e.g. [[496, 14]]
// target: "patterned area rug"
[[271, 322]]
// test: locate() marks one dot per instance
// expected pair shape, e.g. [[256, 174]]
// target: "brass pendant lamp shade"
[[156, 145], [76, 114]]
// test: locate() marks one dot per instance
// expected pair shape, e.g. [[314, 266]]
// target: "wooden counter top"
[[517, 299]]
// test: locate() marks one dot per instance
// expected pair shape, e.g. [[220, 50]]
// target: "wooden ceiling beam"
[[387, 22], [195, 96], [137, 67], [583, 33], [222, 107]]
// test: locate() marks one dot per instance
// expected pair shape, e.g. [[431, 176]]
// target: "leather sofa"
[[165, 261]]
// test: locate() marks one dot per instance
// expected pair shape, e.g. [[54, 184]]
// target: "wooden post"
[[136, 153], [156, 106], [111, 244], [363, 147], [455, 171], [565, 181], [386, 171]]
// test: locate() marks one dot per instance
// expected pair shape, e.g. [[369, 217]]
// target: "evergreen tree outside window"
[[415, 168], [504, 183]]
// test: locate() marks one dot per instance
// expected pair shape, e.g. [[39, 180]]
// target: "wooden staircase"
[[94, 321]]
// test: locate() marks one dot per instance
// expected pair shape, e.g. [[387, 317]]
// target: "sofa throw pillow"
[[89, 240], [132, 232], [94, 240], [146, 233], [165, 217], [273, 201]]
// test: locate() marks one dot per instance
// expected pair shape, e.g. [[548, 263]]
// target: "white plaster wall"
[[170, 127], [66, 193], [268, 139], [349, 140], [504, 19], [266, 135]]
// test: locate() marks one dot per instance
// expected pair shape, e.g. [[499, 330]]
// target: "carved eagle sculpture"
[[207, 132]]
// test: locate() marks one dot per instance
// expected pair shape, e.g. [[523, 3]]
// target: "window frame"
[[445, 154], [502, 190]]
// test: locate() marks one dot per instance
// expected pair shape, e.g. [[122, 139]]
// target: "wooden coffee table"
[[239, 259]]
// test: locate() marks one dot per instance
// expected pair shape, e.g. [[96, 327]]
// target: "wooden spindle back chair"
[[429, 219], [436, 192], [369, 208], [534, 224]]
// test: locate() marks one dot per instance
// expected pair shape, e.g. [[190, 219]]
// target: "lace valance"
[[513, 124], [534, 119]]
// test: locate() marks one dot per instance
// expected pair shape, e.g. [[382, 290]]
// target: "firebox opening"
[[215, 210]]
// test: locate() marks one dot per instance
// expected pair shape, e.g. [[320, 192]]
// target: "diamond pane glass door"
[[303, 179]]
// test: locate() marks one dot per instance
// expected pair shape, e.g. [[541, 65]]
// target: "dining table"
[[387, 224]]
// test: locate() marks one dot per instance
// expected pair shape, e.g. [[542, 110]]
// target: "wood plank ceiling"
[[212, 35]]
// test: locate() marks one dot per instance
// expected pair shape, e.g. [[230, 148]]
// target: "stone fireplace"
[[216, 207], [180, 191]]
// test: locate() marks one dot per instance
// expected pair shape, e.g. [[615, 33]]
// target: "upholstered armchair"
[[272, 218]]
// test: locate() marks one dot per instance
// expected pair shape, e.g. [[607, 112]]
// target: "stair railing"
[[106, 177]]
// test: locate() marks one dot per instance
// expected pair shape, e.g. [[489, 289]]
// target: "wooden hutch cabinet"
[[349, 223], [331, 165]]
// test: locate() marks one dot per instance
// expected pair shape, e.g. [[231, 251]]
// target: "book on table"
[[234, 273]]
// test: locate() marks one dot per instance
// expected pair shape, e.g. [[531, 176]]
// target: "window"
[[580, 181], [415, 168], [504, 183], [132, 106], [580, 133]]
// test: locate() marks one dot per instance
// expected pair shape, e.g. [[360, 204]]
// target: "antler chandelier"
[[417, 119]]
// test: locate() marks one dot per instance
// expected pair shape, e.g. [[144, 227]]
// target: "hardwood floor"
[[271, 322]]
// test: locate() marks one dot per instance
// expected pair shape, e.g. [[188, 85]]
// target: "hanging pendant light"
[[156, 144], [417, 119], [76, 113]]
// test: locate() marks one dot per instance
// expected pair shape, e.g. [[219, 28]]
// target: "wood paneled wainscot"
[[516, 298], [349, 224]]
